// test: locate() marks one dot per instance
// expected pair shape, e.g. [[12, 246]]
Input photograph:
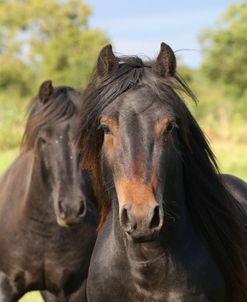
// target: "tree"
[[225, 50], [46, 39]]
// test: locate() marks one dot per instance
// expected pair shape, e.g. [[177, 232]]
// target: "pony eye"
[[42, 140], [41, 143], [170, 127], [106, 129]]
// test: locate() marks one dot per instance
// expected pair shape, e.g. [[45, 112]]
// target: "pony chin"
[[62, 223], [143, 239]]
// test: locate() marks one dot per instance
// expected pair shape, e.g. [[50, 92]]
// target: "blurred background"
[[60, 40]]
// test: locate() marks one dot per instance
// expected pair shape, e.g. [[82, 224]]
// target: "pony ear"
[[45, 91], [165, 64], [106, 62]]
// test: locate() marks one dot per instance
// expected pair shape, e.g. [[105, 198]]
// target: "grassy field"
[[231, 158], [228, 137], [32, 297]]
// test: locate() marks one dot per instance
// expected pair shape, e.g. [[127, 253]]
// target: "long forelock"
[[65, 100], [131, 73]]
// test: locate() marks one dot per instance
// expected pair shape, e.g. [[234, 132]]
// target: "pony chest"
[[146, 284], [160, 282]]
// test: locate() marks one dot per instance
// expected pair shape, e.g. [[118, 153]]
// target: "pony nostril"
[[155, 222], [127, 223], [61, 209], [82, 208]]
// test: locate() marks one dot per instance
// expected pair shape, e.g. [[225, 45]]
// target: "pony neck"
[[177, 221]]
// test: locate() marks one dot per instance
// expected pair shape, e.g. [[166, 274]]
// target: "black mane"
[[61, 107]]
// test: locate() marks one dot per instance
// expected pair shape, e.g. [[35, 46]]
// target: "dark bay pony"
[[48, 214], [170, 228]]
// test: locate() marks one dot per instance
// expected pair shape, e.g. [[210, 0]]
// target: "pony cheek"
[[107, 153], [109, 150]]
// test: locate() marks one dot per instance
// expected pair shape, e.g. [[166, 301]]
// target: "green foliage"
[[220, 115], [6, 158], [46, 39], [186, 72], [12, 116], [231, 158], [225, 56]]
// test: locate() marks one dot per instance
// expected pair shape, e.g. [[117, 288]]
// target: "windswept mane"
[[213, 210], [60, 107]]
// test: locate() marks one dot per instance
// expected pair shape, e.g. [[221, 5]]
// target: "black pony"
[[48, 216], [170, 230]]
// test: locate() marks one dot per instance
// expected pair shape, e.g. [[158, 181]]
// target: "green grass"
[[213, 116], [231, 158], [7, 157], [32, 297], [12, 117]]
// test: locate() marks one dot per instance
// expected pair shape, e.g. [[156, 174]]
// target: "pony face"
[[49, 133], [138, 150], [130, 116], [59, 165]]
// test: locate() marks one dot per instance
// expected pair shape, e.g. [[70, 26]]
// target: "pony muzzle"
[[141, 223], [71, 214]]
